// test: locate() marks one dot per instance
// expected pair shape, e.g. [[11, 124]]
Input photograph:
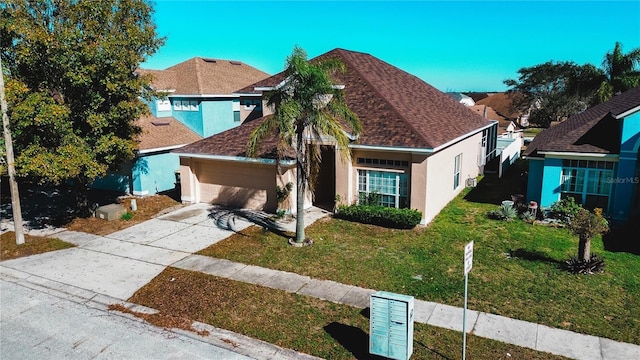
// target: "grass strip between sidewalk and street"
[[32, 245], [313, 326]]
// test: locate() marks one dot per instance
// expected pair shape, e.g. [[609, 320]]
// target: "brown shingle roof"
[[160, 79], [205, 76], [503, 122], [163, 132], [502, 103], [396, 109], [233, 142], [595, 130]]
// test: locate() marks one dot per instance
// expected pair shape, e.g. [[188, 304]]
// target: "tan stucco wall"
[[351, 195], [430, 175], [440, 170], [187, 182], [235, 184]]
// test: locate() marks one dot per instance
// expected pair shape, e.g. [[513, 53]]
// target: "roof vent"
[[235, 63], [209, 60], [160, 122]]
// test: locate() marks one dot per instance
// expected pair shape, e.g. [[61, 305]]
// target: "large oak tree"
[[72, 87]]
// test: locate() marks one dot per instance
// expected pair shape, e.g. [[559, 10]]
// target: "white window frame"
[[595, 180], [457, 164], [163, 105], [177, 105], [400, 178]]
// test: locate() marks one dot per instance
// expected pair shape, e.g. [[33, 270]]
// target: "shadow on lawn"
[[356, 341], [351, 338], [226, 218], [494, 190], [534, 256], [624, 238], [48, 205]]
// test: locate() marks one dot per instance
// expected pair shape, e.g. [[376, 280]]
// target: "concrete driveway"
[[119, 264]]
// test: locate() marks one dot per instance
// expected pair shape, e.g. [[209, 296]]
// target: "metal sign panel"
[[468, 257]]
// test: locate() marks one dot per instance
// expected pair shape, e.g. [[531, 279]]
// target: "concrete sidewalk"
[[115, 266]]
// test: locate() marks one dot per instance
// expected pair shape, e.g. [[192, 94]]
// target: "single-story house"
[[418, 149], [593, 157]]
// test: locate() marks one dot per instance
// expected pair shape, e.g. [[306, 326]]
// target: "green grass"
[[313, 326], [532, 132], [516, 270]]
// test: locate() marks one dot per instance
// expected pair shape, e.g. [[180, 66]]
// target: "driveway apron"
[[120, 263]]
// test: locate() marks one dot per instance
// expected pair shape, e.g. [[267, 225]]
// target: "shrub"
[[527, 217], [505, 213], [593, 265], [564, 210], [126, 216], [372, 199], [380, 215], [282, 193]]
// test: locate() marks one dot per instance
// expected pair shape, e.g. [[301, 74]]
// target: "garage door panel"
[[237, 185]]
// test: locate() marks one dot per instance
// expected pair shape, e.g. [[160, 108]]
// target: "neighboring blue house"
[[200, 102], [593, 157]]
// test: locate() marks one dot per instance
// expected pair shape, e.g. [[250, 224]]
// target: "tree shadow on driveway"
[[226, 218]]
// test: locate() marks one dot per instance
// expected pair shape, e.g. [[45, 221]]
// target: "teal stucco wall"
[[551, 182], [155, 173], [217, 116], [625, 182], [534, 179]]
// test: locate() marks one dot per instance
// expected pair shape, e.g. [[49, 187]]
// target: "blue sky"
[[453, 45]]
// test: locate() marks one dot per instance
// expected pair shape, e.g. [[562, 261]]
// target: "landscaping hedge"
[[380, 215]]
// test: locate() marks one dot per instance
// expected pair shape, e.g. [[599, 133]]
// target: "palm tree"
[[308, 107], [621, 72]]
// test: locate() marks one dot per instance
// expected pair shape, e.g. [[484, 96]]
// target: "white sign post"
[[468, 264]]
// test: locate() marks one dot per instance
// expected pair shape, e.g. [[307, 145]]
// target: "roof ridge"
[[199, 76], [375, 89]]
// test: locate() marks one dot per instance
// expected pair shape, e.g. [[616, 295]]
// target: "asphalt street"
[[37, 325]]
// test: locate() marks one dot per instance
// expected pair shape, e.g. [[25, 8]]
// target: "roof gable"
[[595, 130], [199, 76], [163, 132], [396, 109]]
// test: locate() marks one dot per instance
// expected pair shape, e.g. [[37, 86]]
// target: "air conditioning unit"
[[472, 182]]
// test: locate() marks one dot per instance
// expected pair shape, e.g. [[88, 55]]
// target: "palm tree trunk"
[[301, 188], [584, 248]]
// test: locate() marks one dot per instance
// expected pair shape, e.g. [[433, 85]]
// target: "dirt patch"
[[148, 207], [161, 320]]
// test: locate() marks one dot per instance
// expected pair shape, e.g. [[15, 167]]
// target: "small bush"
[[126, 216], [564, 210], [528, 217], [380, 215], [505, 213]]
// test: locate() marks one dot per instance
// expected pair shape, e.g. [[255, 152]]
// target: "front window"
[[588, 182], [390, 188]]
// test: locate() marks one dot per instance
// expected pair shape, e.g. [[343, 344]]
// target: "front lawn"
[[516, 270]]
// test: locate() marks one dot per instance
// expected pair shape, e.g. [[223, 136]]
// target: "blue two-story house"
[[593, 157], [200, 101]]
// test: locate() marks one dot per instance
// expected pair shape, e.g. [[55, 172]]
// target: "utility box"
[[391, 325], [110, 212]]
